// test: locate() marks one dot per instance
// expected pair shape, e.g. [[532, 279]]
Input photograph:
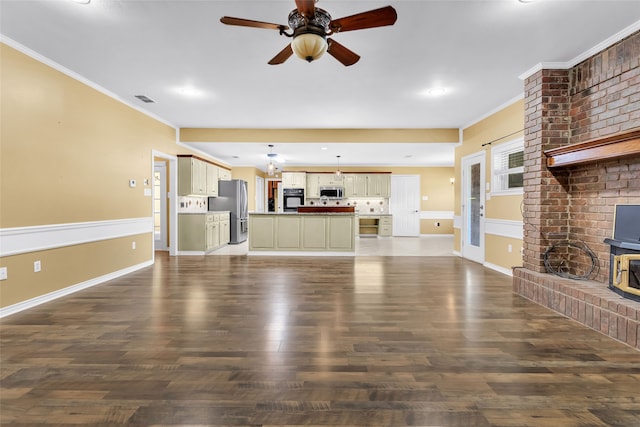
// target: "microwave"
[[331, 192]]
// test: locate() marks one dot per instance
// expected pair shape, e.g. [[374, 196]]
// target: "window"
[[508, 168]]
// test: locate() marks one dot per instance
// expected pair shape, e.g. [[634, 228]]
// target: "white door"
[[473, 179], [260, 190], [404, 205], [160, 206]]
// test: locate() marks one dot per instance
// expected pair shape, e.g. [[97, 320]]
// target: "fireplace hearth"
[[624, 259]]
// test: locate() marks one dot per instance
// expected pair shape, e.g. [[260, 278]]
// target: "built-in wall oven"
[[292, 198]]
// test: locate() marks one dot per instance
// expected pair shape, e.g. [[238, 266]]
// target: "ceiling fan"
[[311, 27]]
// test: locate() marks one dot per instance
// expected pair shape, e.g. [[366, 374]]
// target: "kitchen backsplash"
[[191, 204], [363, 206]]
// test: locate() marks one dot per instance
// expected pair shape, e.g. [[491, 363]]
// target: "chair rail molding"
[[20, 240]]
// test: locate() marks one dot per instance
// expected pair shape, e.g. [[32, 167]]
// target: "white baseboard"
[[499, 269], [457, 253], [33, 302]]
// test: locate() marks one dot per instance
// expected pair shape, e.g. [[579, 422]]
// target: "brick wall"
[[596, 98]]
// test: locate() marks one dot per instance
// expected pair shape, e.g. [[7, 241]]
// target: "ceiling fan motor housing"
[[309, 35]]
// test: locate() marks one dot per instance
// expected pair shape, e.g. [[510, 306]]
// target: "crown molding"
[[585, 55]]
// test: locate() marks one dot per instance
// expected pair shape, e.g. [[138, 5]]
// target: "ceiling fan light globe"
[[309, 46]]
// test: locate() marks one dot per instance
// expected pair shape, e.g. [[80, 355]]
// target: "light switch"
[[425, 198], [3, 273]]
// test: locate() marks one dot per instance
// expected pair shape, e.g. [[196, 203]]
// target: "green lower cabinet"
[[341, 233], [314, 232], [289, 233], [262, 232], [303, 233], [202, 232]]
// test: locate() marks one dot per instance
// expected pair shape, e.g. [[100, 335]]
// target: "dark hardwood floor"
[[273, 341]]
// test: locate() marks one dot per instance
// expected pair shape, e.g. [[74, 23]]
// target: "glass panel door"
[[473, 191]]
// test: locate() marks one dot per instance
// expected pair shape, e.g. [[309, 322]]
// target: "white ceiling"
[[475, 49]]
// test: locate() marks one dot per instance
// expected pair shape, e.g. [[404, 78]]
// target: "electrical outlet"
[[37, 266], [509, 248], [3, 273], [133, 245]]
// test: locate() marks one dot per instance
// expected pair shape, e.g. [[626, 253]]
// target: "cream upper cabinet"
[[212, 180], [355, 185], [294, 179], [330, 180], [224, 174], [312, 189], [192, 177], [378, 185]]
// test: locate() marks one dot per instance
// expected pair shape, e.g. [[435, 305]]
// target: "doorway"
[[160, 212], [473, 201], [405, 205], [274, 195]]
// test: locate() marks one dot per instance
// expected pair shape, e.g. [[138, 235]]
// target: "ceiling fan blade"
[[373, 18], [282, 56], [250, 23], [341, 53], [306, 7]]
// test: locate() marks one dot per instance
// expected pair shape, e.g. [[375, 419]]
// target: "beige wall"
[[67, 155], [499, 128]]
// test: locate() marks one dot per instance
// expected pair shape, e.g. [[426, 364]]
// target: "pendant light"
[[338, 173], [271, 168]]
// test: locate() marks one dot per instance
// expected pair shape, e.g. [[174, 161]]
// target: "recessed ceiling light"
[[324, 148], [526, 1], [436, 91], [81, 1]]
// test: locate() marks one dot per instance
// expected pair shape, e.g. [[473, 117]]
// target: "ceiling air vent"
[[146, 99]]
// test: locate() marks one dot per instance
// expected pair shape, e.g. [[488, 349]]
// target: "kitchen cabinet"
[[212, 180], [355, 185], [378, 185], [341, 234], [224, 174], [312, 190], [330, 180], [294, 179], [302, 232], [385, 226], [225, 230], [289, 233], [192, 177], [314, 232], [262, 230], [375, 225], [202, 232]]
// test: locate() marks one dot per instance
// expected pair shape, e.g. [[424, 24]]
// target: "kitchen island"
[[320, 232]]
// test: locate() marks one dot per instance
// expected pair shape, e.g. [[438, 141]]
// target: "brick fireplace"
[[590, 114]]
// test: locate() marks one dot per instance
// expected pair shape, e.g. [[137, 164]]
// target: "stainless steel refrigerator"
[[233, 197]]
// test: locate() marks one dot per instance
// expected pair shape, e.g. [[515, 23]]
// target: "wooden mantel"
[[611, 147]]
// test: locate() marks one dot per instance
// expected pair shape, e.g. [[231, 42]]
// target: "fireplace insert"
[[624, 271]]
